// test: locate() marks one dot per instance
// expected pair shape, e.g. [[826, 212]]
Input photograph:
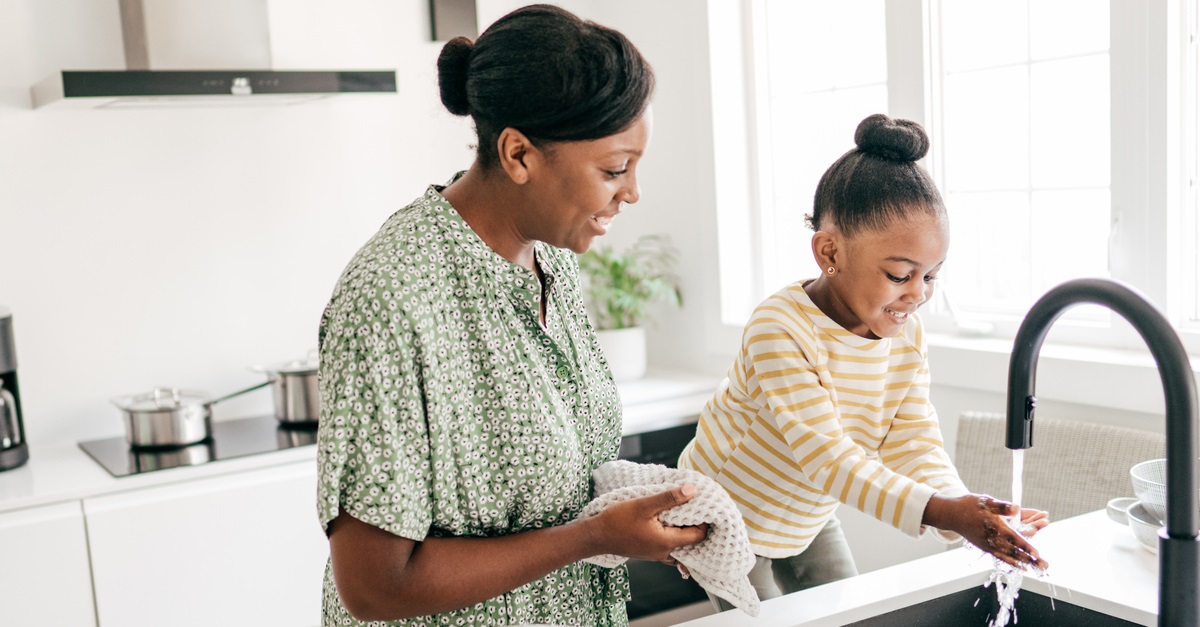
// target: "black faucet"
[[1179, 549]]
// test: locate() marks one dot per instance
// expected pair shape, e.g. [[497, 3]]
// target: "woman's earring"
[[831, 270]]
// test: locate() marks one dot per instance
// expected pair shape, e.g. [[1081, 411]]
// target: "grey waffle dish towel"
[[721, 562]]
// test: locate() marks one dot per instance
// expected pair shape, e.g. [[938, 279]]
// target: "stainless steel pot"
[[294, 386], [170, 417]]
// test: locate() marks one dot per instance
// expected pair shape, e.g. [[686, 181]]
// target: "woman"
[[464, 398]]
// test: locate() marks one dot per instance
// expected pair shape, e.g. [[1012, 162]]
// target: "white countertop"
[[1094, 563], [60, 471], [664, 399]]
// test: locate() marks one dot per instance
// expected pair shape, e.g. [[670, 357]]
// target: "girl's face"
[[883, 276], [583, 184]]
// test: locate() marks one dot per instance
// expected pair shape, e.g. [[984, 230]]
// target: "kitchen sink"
[[976, 607]]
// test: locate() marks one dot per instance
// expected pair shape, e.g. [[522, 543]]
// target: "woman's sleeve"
[[786, 369], [374, 456]]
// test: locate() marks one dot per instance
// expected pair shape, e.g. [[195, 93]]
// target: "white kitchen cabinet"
[[44, 578], [237, 549]]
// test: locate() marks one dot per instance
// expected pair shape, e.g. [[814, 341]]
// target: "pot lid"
[[161, 398]]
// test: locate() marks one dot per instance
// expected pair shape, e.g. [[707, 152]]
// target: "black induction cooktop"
[[229, 439]]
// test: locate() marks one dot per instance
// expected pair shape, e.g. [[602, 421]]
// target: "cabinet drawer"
[[243, 549], [44, 576]]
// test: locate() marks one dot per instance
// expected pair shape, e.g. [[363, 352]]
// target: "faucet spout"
[[1179, 548]]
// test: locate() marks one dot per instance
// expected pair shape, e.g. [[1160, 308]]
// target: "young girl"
[[828, 400]]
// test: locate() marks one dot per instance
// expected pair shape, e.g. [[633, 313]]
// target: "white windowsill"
[[1118, 379]]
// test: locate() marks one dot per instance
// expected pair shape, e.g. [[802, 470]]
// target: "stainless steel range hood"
[[213, 53]]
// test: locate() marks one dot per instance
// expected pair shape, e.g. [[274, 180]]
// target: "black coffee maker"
[[13, 450]]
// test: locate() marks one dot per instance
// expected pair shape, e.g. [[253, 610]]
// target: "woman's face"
[[886, 275], [581, 185]]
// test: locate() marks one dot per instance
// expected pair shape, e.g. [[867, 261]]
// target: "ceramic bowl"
[[1133, 513], [1150, 486]]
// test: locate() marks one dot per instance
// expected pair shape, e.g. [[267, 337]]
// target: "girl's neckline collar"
[[830, 326]]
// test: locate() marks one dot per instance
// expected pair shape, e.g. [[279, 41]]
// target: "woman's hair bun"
[[452, 65], [896, 140]]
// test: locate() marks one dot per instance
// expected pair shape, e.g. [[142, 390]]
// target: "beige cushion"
[[1073, 467]]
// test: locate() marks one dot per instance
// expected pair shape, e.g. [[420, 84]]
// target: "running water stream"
[[1017, 492], [1006, 578]]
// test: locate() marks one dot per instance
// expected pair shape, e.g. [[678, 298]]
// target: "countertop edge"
[[60, 471], [64, 473]]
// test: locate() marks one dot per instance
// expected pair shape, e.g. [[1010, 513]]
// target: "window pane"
[[1070, 236], [989, 260], [833, 44], [1016, 246], [985, 127], [979, 35], [1191, 256], [1069, 127], [1067, 27], [1191, 200]]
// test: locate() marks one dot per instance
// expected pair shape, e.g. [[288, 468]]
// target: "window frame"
[[1152, 83]]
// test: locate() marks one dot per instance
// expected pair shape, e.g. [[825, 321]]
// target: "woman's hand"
[[632, 528], [981, 520]]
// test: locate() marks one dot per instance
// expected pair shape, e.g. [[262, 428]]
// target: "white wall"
[[181, 246]]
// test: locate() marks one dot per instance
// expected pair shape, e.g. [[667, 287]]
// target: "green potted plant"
[[619, 287]]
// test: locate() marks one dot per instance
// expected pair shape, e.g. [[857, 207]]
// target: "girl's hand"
[[1033, 521], [632, 528], [981, 521]]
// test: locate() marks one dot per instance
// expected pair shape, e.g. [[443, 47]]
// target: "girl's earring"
[[831, 270]]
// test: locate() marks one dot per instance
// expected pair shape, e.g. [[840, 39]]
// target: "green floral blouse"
[[447, 409]]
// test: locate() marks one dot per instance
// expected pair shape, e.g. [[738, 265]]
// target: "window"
[[1023, 127], [1191, 186], [1064, 141]]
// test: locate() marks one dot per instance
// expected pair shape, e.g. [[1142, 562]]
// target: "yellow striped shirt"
[[812, 415]]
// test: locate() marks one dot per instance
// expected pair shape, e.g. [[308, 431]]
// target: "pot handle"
[[159, 392], [240, 392]]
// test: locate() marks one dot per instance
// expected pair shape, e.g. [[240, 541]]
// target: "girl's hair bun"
[[452, 65], [895, 140]]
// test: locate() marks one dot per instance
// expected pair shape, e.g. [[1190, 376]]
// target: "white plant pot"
[[625, 350]]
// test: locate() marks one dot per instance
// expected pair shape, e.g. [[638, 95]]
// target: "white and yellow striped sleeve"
[[914, 446]]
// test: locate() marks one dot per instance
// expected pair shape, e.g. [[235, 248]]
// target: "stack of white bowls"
[[1147, 513]]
